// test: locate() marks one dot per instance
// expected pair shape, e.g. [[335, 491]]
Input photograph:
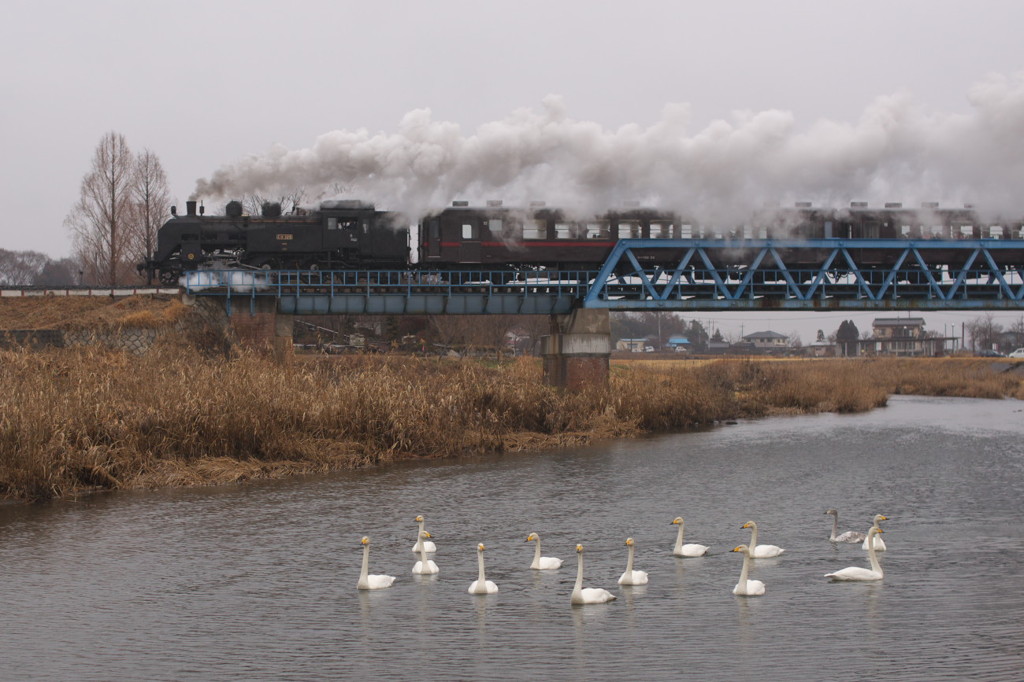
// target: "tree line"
[[123, 200]]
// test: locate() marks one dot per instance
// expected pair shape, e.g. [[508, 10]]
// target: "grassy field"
[[74, 420]]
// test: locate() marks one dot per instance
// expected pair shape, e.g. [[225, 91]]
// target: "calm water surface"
[[258, 582]]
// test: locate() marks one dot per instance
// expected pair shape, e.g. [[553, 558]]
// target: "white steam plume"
[[894, 152]]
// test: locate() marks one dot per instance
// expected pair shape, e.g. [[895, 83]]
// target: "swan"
[[424, 566], [760, 551], [429, 546], [745, 587], [691, 549], [856, 572], [482, 585], [848, 536], [542, 563], [879, 542], [587, 595], [371, 582], [631, 577]]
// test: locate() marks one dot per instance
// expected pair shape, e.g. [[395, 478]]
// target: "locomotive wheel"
[[169, 277]]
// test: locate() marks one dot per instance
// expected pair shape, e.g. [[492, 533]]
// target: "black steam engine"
[[340, 235], [354, 235]]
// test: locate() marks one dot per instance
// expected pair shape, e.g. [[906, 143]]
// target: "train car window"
[[534, 229], [686, 231], [629, 230], [494, 225], [332, 223], [661, 230], [996, 232], [563, 231], [905, 230], [596, 231], [966, 231], [468, 231]]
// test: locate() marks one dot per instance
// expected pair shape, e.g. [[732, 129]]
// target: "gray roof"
[[765, 335]]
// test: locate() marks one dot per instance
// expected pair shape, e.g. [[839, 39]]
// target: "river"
[[258, 581]]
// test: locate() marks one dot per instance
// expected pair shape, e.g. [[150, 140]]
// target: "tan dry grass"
[[76, 419]]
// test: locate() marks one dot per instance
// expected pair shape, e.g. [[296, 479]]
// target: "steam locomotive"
[[355, 235]]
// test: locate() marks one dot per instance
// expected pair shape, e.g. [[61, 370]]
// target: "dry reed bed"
[[73, 420]]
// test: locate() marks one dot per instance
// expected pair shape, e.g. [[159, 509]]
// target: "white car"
[[1019, 353]]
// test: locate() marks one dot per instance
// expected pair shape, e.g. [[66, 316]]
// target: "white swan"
[[424, 566], [690, 549], [482, 585], [631, 577], [879, 542], [856, 572], [760, 551], [745, 587], [542, 563], [587, 595], [371, 582], [848, 536], [420, 545]]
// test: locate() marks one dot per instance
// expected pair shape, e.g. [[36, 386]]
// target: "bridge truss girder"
[[810, 275]]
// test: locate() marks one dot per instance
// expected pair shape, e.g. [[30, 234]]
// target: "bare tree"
[[103, 219], [984, 331], [152, 199], [21, 268], [253, 203]]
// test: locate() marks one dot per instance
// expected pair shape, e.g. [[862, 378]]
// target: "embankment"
[[83, 418]]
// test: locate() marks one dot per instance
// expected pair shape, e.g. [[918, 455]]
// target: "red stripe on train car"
[[529, 244]]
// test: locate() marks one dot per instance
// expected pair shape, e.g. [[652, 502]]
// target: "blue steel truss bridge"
[[660, 274]]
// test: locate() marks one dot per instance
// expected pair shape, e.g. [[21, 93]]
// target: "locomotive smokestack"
[[190, 207]]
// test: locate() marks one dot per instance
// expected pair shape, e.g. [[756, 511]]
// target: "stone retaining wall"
[[206, 322]]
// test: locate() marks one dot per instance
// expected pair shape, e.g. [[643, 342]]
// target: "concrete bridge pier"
[[263, 328], [576, 352]]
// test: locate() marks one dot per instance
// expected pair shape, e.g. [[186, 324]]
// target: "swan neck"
[[835, 526], [579, 573], [480, 557], [679, 539], [745, 571], [536, 552], [753, 536], [629, 560], [872, 555], [423, 552], [419, 537], [366, 564]]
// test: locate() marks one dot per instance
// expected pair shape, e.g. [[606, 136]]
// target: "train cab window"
[[534, 229], [629, 230], [494, 225], [468, 231], [332, 223], [564, 231]]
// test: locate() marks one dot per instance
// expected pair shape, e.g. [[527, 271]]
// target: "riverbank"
[[73, 420]]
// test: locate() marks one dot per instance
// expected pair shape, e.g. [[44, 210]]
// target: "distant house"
[[632, 345], [900, 336], [678, 343], [820, 349], [767, 341]]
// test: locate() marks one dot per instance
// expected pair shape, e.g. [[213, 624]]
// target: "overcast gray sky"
[[775, 99]]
